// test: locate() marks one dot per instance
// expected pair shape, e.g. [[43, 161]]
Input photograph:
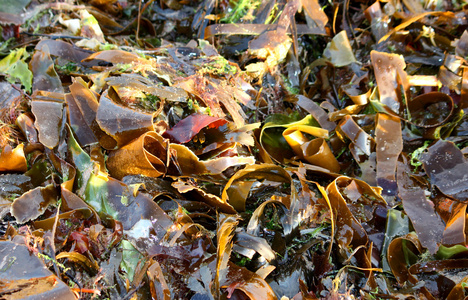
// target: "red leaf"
[[187, 128], [10, 31], [82, 243], [231, 288]]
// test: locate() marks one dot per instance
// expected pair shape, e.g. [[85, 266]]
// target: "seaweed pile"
[[243, 149]]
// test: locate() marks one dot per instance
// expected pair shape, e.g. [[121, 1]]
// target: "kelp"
[[136, 82], [339, 50], [82, 110], [283, 144], [389, 74], [226, 227], [348, 220], [13, 185], [121, 123], [206, 90], [389, 144], [33, 203], [282, 156], [116, 57], [272, 46], [402, 253], [252, 29], [196, 192], [236, 189], [64, 50], [421, 212], [45, 77], [25, 275], [145, 156], [49, 113], [13, 160], [434, 114], [454, 233], [244, 240], [361, 146], [408, 22], [444, 163]]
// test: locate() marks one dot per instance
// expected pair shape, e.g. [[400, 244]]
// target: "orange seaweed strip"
[[409, 22], [88, 291]]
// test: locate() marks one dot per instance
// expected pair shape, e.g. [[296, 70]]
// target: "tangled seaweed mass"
[[172, 149]]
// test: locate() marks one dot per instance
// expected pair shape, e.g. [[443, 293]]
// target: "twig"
[[53, 37], [132, 291], [138, 23], [137, 19]]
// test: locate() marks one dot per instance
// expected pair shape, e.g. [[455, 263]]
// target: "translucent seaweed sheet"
[[233, 150]]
